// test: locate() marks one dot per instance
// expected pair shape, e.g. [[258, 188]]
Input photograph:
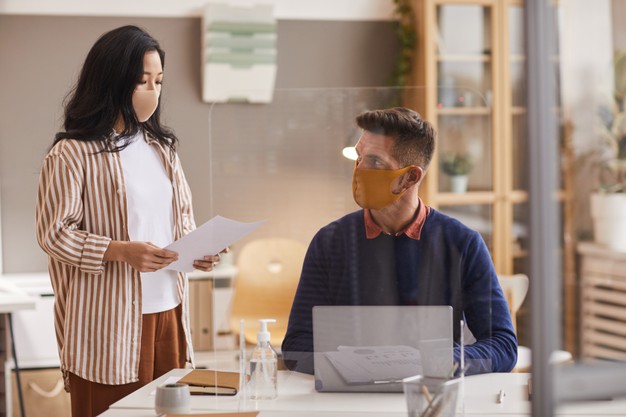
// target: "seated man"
[[398, 251]]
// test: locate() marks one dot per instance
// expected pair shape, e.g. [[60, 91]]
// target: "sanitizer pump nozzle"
[[263, 366], [263, 335]]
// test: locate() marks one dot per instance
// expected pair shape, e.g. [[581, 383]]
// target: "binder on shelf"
[[238, 53]]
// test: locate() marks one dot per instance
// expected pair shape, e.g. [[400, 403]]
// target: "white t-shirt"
[[149, 202]]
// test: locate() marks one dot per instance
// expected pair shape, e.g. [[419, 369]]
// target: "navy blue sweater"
[[449, 265]]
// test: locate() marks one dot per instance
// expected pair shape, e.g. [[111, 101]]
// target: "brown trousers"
[[163, 348]]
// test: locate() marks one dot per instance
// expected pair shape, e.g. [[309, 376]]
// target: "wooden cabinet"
[[201, 313], [603, 302], [469, 80], [210, 295]]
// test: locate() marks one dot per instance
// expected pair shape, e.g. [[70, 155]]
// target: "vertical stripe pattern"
[[81, 207]]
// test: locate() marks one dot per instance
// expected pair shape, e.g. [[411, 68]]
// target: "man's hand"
[[142, 256]]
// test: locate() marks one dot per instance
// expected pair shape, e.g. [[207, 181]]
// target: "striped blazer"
[[81, 207]]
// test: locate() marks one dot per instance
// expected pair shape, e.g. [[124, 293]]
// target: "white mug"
[[172, 399]]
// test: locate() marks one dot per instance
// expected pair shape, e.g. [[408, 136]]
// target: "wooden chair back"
[[515, 288], [265, 285]]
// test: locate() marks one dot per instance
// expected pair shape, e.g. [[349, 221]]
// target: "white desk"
[[10, 302], [297, 397], [221, 272], [125, 412]]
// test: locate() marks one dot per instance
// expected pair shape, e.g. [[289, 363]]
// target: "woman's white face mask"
[[145, 103]]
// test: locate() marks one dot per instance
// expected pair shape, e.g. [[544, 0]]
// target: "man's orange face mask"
[[371, 188]]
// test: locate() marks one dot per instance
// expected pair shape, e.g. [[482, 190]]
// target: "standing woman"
[[111, 195]]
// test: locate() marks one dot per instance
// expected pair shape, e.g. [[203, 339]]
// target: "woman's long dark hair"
[[112, 70]]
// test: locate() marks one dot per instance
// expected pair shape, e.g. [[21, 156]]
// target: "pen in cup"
[[426, 394]]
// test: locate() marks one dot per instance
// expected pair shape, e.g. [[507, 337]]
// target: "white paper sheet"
[[376, 364], [209, 239]]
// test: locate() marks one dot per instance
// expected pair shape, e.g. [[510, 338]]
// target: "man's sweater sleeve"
[[297, 347], [487, 314]]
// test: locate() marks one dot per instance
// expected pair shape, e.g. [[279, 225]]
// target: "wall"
[[619, 29], [344, 10], [41, 56], [586, 85]]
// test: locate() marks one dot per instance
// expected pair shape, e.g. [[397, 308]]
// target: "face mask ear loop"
[[408, 169]]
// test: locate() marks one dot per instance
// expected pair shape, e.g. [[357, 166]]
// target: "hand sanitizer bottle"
[[263, 366]]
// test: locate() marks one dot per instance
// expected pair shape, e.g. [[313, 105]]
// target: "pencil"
[[426, 394]]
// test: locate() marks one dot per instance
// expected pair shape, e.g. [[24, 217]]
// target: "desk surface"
[[10, 302], [125, 412], [297, 396], [12, 296]]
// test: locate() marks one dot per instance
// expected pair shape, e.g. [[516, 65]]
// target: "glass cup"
[[172, 399], [430, 397]]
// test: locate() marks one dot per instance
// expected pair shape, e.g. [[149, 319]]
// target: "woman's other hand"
[[208, 262]]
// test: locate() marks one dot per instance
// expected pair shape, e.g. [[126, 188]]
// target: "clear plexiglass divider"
[[284, 162]]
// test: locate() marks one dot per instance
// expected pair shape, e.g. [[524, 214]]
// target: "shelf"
[[470, 197], [518, 196], [561, 195], [463, 58], [464, 111], [521, 196], [473, 62], [483, 197]]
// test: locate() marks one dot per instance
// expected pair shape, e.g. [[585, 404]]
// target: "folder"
[[211, 382]]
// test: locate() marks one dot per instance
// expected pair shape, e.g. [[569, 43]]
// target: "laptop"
[[372, 348]]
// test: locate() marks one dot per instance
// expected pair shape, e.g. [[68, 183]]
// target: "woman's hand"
[[208, 262], [142, 256]]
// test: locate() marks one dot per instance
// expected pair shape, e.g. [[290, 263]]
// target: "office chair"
[[515, 288], [265, 285]]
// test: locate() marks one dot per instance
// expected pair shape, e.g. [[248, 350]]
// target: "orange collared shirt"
[[413, 230]]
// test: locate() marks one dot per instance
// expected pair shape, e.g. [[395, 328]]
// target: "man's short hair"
[[414, 138]]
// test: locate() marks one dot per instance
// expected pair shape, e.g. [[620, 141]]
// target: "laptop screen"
[[372, 348]]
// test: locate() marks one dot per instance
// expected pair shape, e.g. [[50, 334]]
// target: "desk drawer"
[[43, 393], [35, 340]]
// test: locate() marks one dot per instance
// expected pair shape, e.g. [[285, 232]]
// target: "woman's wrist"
[[115, 251]]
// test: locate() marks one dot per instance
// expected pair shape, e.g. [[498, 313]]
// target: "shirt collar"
[[413, 230]]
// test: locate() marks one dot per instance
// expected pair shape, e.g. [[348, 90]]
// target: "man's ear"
[[412, 177], [409, 179]]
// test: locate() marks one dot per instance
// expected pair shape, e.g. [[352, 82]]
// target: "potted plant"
[[608, 204], [457, 166]]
